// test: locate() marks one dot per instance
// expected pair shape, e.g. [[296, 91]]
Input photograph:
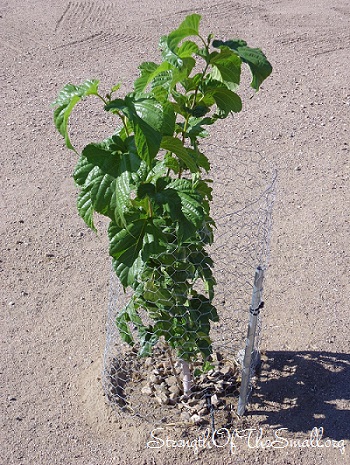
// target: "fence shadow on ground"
[[303, 390]]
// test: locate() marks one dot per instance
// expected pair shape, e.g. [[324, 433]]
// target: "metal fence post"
[[254, 311]]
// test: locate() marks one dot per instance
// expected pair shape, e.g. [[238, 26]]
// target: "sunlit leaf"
[[259, 65], [69, 96]]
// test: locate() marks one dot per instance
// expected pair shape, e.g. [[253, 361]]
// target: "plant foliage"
[[149, 178]]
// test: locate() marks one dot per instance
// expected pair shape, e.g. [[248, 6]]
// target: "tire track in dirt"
[[85, 14], [105, 41], [222, 9], [92, 25], [317, 44], [16, 41], [343, 11]]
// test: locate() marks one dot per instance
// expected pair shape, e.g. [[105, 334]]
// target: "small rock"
[[219, 387], [175, 390], [173, 396], [171, 380], [147, 390], [214, 400], [162, 387], [155, 379], [203, 411], [162, 398], [11, 304], [227, 371], [185, 416], [195, 419], [148, 362]]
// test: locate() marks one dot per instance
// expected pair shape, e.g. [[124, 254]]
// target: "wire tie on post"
[[256, 311]]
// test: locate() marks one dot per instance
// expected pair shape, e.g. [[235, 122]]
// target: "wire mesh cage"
[[163, 383]]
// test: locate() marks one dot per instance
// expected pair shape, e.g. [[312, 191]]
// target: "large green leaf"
[[128, 275], [259, 65], [189, 27], [69, 96], [108, 177], [146, 117], [132, 246], [83, 170], [149, 110], [98, 154], [174, 145], [169, 55], [187, 49], [102, 192], [226, 100], [191, 201], [226, 67], [85, 208], [126, 242], [148, 72]]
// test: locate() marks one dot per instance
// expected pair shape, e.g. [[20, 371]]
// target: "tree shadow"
[[303, 390]]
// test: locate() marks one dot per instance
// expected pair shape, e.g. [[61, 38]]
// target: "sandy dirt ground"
[[55, 273]]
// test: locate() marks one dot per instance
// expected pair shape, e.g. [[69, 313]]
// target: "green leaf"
[[147, 140], [169, 119], [121, 191], [155, 294], [102, 191], [190, 201], [98, 154], [174, 145], [259, 66], [226, 67], [128, 275], [126, 243], [69, 96], [148, 110], [146, 117], [168, 54], [195, 127], [83, 170], [149, 71], [109, 177], [187, 49], [189, 27], [122, 321], [226, 100], [200, 159], [85, 207], [147, 340]]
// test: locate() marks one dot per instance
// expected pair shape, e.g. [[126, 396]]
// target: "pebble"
[[214, 400], [185, 416], [147, 390], [174, 390], [162, 398], [195, 419], [155, 379]]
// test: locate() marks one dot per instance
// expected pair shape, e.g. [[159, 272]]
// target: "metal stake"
[[254, 311]]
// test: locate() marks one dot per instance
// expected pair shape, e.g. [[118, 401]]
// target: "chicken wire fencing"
[[164, 386]]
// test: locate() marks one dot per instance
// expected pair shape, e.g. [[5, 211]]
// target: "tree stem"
[[171, 360], [187, 377]]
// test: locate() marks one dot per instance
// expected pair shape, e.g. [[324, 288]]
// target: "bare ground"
[[55, 273]]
